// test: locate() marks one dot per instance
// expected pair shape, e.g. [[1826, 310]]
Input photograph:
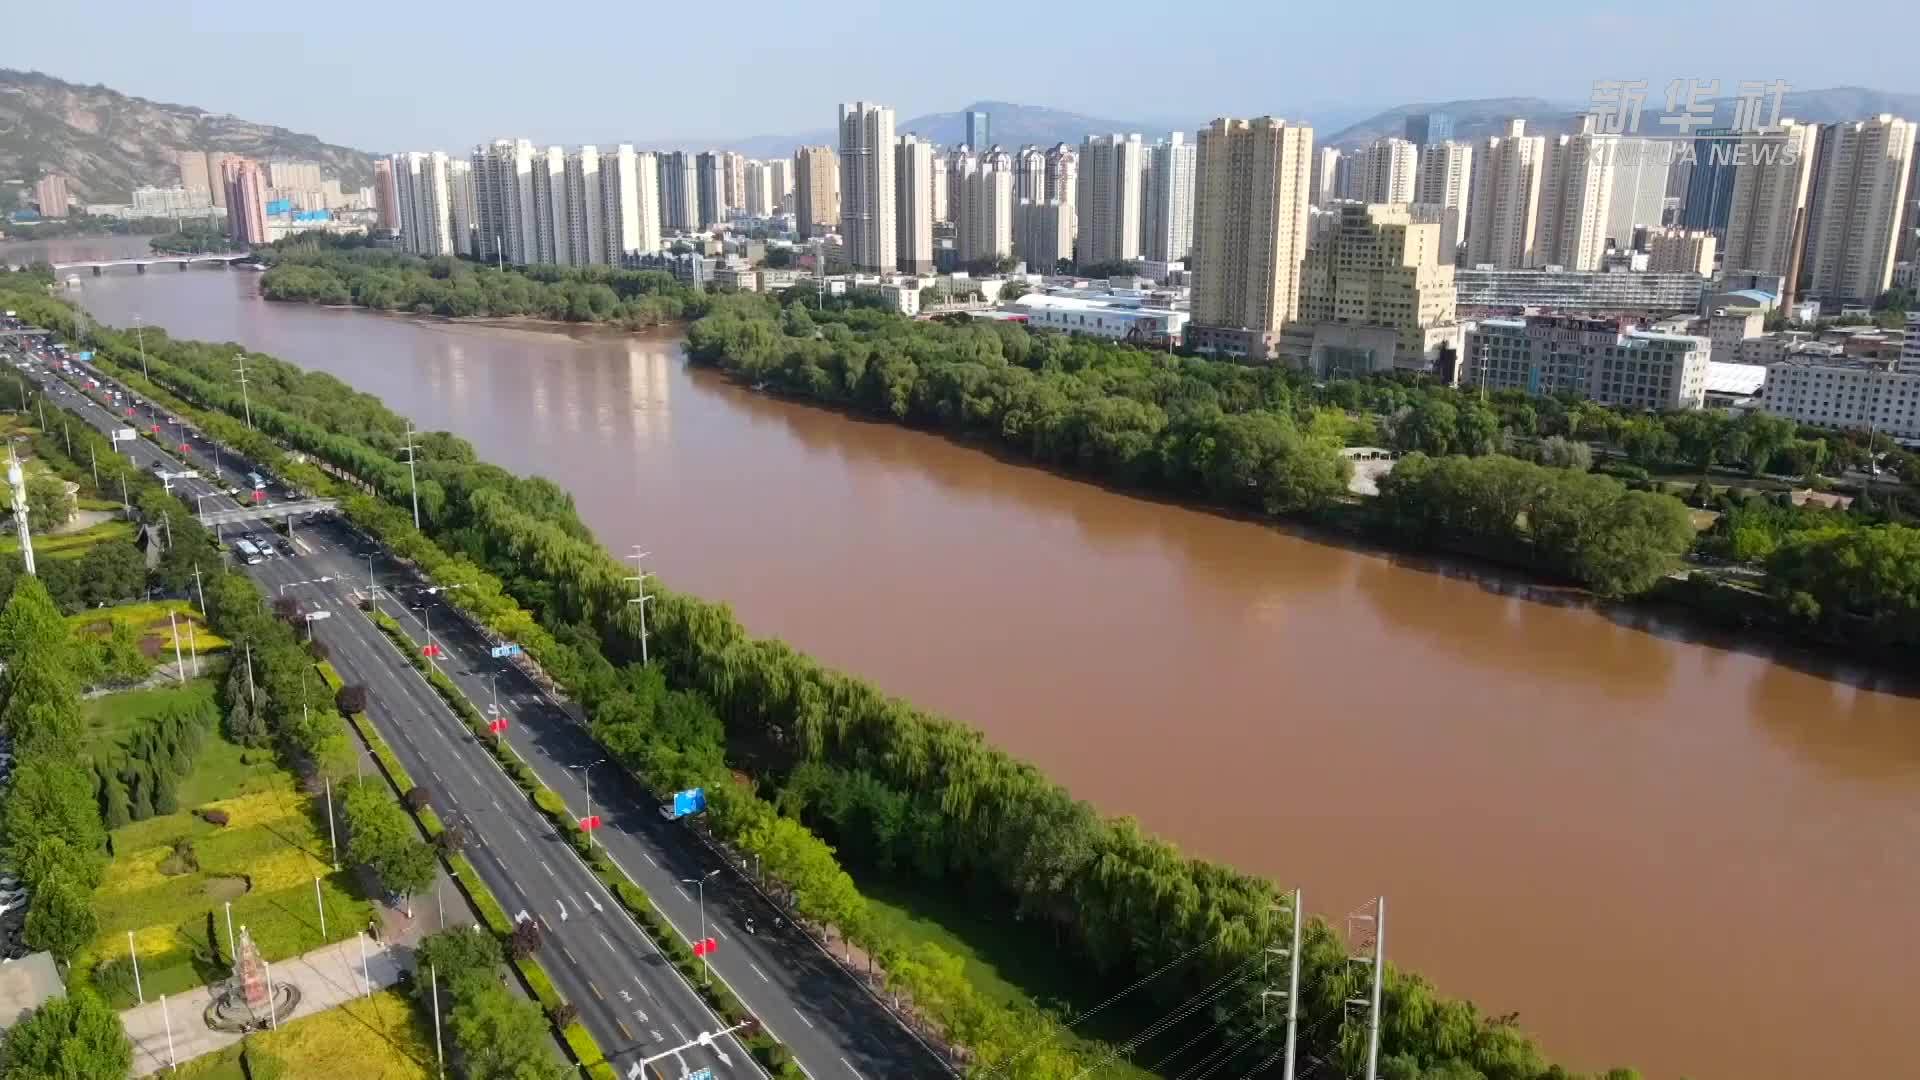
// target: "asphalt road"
[[632, 999]]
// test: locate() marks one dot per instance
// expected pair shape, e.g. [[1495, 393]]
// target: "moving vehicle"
[[259, 482], [247, 551]]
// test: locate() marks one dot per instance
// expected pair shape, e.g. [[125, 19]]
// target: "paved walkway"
[[326, 977]]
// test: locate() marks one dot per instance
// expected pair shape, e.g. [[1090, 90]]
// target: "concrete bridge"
[[141, 262]]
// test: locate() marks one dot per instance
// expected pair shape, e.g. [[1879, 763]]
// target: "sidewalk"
[[326, 977]]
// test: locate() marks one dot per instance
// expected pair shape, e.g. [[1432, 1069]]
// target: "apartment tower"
[[816, 190], [1446, 176], [246, 197], [1505, 212], [913, 167], [866, 200], [1857, 220], [1108, 205], [1388, 170], [1768, 206], [1167, 202], [1250, 233]]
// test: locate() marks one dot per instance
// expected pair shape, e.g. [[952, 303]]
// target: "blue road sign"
[[502, 651], [86, 356], [691, 801], [703, 1074]]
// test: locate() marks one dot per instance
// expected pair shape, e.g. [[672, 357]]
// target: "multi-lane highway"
[[632, 998]]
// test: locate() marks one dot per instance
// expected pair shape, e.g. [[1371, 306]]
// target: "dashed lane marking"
[[596, 990], [803, 1017], [757, 971], [622, 1025]]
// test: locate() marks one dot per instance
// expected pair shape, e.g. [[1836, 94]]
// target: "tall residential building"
[[867, 192], [51, 195], [979, 132], [760, 198], [1250, 233], [1768, 204], [1446, 176], [629, 203], [679, 192], [1576, 191], [246, 199], [386, 195], [816, 190], [1860, 208], [1030, 174], [1373, 265], [503, 201], [425, 203], [913, 168], [464, 215], [217, 176], [552, 243], [586, 224], [1327, 171], [781, 171], [711, 188], [1388, 170], [938, 190], [1108, 205], [193, 171], [1505, 211], [1167, 226], [733, 182], [1709, 182], [1063, 173], [1910, 348], [1641, 168], [294, 175], [957, 163], [985, 227], [1680, 251], [1425, 129], [1043, 234]]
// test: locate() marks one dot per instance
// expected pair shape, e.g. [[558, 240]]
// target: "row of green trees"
[[1120, 903], [381, 837], [392, 281], [142, 778], [496, 1035]]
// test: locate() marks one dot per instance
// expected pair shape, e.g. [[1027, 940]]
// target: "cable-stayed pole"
[[18, 478]]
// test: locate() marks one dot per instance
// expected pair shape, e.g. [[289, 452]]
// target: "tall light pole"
[[413, 477], [140, 337], [700, 883], [244, 403], [640, 598], [586, 778]]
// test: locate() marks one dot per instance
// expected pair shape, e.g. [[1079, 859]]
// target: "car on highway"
[[285, 547]]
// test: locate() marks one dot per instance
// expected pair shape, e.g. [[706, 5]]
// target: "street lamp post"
[[700, 883], [586, 778], [140, 337]]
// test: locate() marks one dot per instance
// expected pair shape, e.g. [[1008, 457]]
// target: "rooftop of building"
[[1739, 380]]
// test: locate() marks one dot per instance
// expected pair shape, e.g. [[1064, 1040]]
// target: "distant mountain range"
[[1013, 126], [106, 143], [1478, 118]]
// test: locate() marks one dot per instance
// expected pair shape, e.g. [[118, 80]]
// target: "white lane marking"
[[851, 1069], [649, 859], [681, 1034], [604, 940], [682, 890], [722, 933], [757, 971], [543, 864], [803, 1017], [523, 838]]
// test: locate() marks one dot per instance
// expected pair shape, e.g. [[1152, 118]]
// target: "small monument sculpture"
[[252, 999]]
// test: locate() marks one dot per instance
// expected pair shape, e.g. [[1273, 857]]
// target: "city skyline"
[[581, 101]]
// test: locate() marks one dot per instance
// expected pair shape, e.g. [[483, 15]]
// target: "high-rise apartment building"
[[1063, 173], [780, 175], [294, 175], [386, 195], [938, 190], [1250, 233], [1108, 205], [867, 187], [1861, 203], [1388, 171], [1043, 234], [761, 200], [1910, 347], [193, 171], [979, 132], [552, 240], [629, 203], [816, 190], [1327, 172], [586, 223], [1680, 251], [50, 194], [464, 215], [1505, 211], [1446, 177], [246, 199], [958, 163], [1767, 207], [1709, 182], [710, 170], [985, 226], [1641, 170], [1030, 174], [733, 181], [913, 168], [1167, 202], [424, 202], [503, 201], [1425, 129], [1576, 192], [679, 192], [1373, 265]]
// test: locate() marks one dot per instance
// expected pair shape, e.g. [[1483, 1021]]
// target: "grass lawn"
[[263, 861], [111, 718], [1009, 962], [69, 545], [149, 618], [382, 1037]]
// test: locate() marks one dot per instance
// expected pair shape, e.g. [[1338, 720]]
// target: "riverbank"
[[1338, 710]]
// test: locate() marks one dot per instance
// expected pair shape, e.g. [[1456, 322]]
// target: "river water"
[[1694, 855]]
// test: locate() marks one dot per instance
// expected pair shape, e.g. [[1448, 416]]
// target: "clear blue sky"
[[428, 74]]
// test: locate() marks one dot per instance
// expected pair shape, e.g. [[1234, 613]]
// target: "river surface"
[[1693, 855]]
